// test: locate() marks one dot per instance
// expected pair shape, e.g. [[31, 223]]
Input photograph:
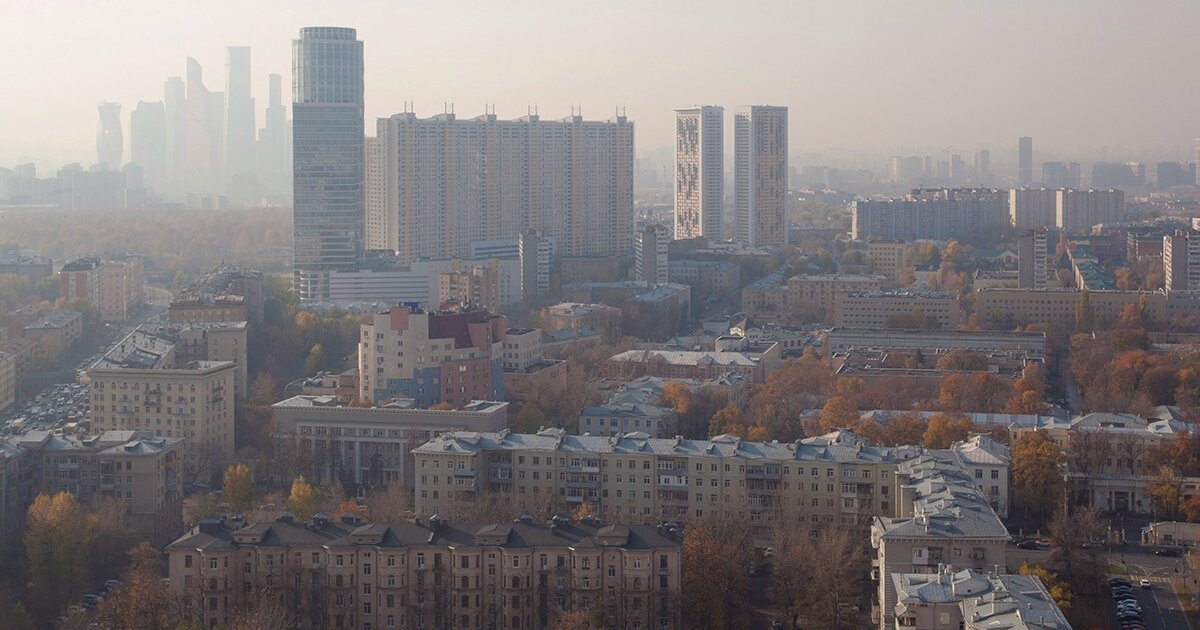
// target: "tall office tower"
[[205, 135], [1181, 261], [381, 233], [1060, 174], [760, 174], [451, 181], [327, 156], [239, 114], [274, 146], [983, 168], [1032, 208], [896, 169], [175, 106], [650, 254], [148, 143], [958, 170], [699, 172], [1196, 158], [1024, 161], [110, 140]]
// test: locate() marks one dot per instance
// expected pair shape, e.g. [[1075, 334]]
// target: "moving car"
[[1145, 583]]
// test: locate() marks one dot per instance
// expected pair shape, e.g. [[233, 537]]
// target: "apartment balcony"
[[673, 500], [571, 498], [764, 472], [466, 472], [465, 484], [673, 481], [581, 483], [582, 469]]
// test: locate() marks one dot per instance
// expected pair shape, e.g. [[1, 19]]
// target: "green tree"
[[1059, 590], [1085, 316], [303, 499], [238, 488]]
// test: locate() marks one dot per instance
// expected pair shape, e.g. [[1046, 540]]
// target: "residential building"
[[430, 573], [634, 406], [976, 215], [113, 285], [817, 294], [700, 172], [17, 487], [650, 254], [1076, 211], [760, 171], [451, 181], [213, 341], [1037, 259], [56, 334], [605, 320], [877, 309], [379, 232], [141, 473], [371, 444], [941, 517], [432, 356], [973, 600], [1061, 174], [840, 340], [1032, 208], [9, 380], [1118, 174], [706, 277], [649, 310], [525, 363], [989, 463], [328, 156], [1006, 308], [535, 253], [887, 258], [1181, 261], [110, 140], [142, 383], [26, 265], [478, 285], [224, 294], [79, 279]]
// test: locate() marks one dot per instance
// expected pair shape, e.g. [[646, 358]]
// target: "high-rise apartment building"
[[239, 115], [1024, 161], [534, 254], [699, 172], [327, 156], [760, 175], [175, 108], [380, 233], [1181, 261], [1196, 158], [476, 285], [450, 181], [432, 357], [148, 143], [970, 214], [1061, 174], [650, 254], [1076, 211], [1032, 208], [983, 168], [110, 140], [1035, 261]]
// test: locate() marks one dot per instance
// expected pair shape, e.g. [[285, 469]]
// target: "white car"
[[1145, 583]]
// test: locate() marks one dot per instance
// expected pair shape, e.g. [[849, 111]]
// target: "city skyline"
[[477, 64]]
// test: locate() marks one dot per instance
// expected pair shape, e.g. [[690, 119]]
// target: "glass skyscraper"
[[327, 156]]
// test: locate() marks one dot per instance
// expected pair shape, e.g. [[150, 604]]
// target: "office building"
[[205, 172], [983, 168], [1060, 174], [1172, 174], [1024, 161], [816, 295], [175, 110], [732, 354], [1118, 175], [964, 214], [110, 139], [328, 157], [432, 357], [148, 143], [372, 444], [599, 318], [431, 573], [700, 172], [144, 383], [760, 175], [239, 118], [706, 277], [449, 182], [882, 309], [650, 254], [1181, 261], [275, 147]]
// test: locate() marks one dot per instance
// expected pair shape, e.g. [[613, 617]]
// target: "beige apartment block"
[[1006, 308], [431, 573], [874, 309], [806, 293], [887, 258]]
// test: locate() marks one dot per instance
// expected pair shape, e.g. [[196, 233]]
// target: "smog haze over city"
[[583, 315]]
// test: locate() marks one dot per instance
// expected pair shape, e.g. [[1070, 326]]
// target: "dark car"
[[1170, 553], [1027, 544]]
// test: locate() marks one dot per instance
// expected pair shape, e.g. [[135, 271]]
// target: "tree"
[[1037, 475], [393, 503], [716, 558], [1166, 490], [265, 610], [944, 430], [238, 488], [963, 361], [818, 575], [1075, 550], [1085, 317], [530, 419], [838, 413], [916, 320], [202, 505], [142, 600], [1059, 590], [728, 419], [573, 620], [303, 499], [677, 396]]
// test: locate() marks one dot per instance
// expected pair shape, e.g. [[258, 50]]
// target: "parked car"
[[1145, 583], [1027, 544], [1169, 553]]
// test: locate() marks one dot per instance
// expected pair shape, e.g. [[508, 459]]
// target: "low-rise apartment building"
[[974, 600], [1007, 308], [141, 473], [371, 443], [605, 320], [842, 339], [56, 334], [430, 573], [817, 294], [754, 361], [876, 309], [634, 406], [225, 294], [706, 277], [887, 258], [113, 285]]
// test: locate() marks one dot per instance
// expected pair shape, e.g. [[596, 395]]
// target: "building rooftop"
[[687, 357], [577, 309], [947, 503], [904, 293], [61, 318], [308, 402], [992, 601]]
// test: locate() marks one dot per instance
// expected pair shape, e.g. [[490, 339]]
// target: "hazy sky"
[[872, 76]]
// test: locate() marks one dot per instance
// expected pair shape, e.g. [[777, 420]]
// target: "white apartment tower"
[[760, 174], [449, 182], [379, 230], [699, 172]]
